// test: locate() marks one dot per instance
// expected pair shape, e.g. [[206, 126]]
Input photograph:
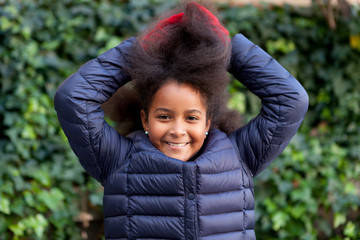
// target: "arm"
[[284, 104], [78, 104]]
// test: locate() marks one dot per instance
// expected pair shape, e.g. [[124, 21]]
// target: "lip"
[[176, 145]]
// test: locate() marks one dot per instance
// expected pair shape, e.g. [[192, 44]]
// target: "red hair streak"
[[214, 22], [158, 33]]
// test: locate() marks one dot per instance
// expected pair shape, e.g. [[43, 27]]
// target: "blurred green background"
[[312, 191]]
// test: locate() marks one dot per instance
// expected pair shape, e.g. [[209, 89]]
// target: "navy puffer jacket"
[[148, 195]]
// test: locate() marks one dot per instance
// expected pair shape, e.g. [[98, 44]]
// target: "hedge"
[[310, 192]]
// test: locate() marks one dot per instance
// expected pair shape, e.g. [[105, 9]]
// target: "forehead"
[[178, 96]]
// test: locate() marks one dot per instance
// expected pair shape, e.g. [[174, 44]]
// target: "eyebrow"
[[194, 111], [169, 111]]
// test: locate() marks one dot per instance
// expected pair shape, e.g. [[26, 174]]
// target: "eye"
[[163, 117], [192, 118]]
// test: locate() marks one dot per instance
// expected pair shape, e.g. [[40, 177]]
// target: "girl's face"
[[176, 122]]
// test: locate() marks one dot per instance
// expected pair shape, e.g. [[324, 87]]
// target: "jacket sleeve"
[[284, 104], [78, 104]]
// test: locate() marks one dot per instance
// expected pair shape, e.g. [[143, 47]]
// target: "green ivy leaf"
[[52, 199], [339, 219], [279, 220], [4, 204], [7, 187], [350, 230]]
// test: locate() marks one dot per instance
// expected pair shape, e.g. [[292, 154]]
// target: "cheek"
[[156, 131], [199, 133]]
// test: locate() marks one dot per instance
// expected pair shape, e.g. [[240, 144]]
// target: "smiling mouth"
[[177, 145]]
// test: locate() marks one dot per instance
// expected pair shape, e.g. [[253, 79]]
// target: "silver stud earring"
[[146, 132], [206, 133]]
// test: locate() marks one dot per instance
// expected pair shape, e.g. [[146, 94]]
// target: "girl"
[[181, 177]]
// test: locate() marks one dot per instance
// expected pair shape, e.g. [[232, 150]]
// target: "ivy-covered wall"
[[312, 191]]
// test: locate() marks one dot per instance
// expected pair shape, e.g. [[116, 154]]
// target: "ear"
[[144, 120], [208, 124]]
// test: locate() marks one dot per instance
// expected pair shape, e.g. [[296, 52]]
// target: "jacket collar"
[[216, 141]]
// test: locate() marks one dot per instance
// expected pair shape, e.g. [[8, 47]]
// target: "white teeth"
[[177, 144]]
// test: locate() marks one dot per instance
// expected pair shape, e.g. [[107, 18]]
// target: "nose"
[[178, 129]]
